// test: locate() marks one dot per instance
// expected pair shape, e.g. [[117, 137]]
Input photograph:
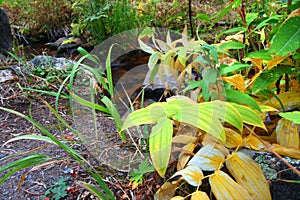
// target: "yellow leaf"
[[237, 81], [275, 60], [252, 142], [183, 139], [208, 158], [199, 195], [184, 157], [290, 100], [233, 139], [257, 62], [177, 198], [224, 187], [290, 152], [287, 133], [248, 174]]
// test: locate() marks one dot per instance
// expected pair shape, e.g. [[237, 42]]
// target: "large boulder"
[[5, 33]]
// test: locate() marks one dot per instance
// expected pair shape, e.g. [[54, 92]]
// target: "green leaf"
[[160, 145], [232, 45], [29, 137], [224, 69], [263, 54], [232, 30], [89, 104], [292, 116], [264, 23], [287, 39], [148, 115], [241, 98], [267, 78], [115, 114], [22, 164], [249, 116], [203, 17], [137, 175], [153, 60], [250, 17], [92, 189]]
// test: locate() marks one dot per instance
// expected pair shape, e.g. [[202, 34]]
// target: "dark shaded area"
[[5, 33]]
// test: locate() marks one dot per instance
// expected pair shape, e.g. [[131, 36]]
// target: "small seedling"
[[57, 190]]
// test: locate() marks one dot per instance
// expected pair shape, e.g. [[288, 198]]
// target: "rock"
[[5, 33], [50, 61]]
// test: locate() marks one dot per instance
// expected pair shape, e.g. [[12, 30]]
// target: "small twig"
[[269, 148]]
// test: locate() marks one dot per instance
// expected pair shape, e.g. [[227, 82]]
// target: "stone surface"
[[5, 33], [50, 61]]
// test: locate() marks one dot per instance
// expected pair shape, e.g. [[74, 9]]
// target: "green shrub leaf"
[[239, 97], [287, 39], [292, 116]]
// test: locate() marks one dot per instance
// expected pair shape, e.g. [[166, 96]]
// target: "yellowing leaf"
[[233, 139], [189, 113], [199, 195], [225, 111], [253, 142], [290, 100], [184, 157], [177, 198], [287, 133], [290, 152], [249, 116], [148, 115], [257, 62], [183, 139], [248, 174], [275, 60], [236, 80], [192, 175], [208, 158], [224, 187], [160, 145]]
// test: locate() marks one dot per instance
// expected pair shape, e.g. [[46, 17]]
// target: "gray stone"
[[5, 33]]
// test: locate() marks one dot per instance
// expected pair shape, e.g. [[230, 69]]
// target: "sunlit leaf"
[[290, 101], [153, 60], [287, 133], [242, 98], [275, 60], [199, 195], [208, 158], [148, 115], [253, 142], [233, 139], [287, 39], [184, 157], [224, 187], [236, 80], [290, 152], [250, 17], [250, 116], [292, 116], [188, 112], [248, 174], [193, 175], [224, 111], [160, 145]]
